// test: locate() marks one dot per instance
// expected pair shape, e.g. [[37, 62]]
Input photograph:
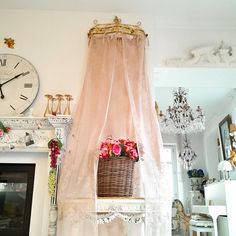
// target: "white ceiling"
[[221, 11]]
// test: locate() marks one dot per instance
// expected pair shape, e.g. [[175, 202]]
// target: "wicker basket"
[[115, 177]]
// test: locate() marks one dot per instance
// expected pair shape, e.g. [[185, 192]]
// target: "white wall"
[[56, 43]]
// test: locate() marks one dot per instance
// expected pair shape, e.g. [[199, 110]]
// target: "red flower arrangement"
[[55, 146], [111, 148], [3, 129]]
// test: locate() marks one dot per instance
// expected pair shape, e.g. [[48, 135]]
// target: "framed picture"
[[225, 139]]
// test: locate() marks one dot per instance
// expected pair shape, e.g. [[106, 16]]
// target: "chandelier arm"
[[180, 118]]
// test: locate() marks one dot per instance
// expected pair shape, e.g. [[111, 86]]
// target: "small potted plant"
[[196, 176]]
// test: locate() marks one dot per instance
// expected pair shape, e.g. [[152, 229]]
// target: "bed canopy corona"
[[115, 101]]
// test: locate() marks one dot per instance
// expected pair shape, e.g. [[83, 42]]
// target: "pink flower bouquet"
[[119, 148]]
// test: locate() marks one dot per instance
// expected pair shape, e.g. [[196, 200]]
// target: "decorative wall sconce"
[[50, 111]]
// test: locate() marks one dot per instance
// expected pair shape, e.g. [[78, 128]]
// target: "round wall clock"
[[19, 84]]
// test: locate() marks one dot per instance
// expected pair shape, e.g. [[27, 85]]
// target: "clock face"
[[19, 84]]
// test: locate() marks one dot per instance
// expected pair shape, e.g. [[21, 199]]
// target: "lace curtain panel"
[[115, 101]]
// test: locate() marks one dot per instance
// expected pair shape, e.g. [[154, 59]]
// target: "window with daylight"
[[171, 161]]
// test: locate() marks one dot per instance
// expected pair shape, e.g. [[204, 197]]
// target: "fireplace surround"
[[16, 192], [42, 130]]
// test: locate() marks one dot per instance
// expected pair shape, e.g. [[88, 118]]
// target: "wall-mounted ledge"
[[26, 123], [31, 134], [23, 149]]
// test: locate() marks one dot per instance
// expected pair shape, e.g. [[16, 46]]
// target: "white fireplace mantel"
[[15, 148], [41, 129]]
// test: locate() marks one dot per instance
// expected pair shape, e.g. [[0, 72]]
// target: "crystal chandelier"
[[187, 155], [180, 118]]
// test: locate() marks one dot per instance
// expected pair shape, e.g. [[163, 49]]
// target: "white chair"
[[201, 226]]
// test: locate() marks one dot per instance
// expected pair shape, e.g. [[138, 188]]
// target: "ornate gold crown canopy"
[[116, 27]]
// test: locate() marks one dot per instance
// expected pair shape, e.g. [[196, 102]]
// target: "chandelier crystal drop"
[[187, 155], [180, 118]]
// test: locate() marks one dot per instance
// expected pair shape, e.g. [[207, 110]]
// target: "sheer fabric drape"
[[115, 101]]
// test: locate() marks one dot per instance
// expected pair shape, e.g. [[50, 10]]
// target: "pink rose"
[[1, 133], [116, 149], [104, 152], [133, 154]]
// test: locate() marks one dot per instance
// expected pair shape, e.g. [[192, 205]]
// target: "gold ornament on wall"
[[9, 42], [116, 27]]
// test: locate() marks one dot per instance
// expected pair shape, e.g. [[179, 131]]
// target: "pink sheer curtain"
[[115, 101]]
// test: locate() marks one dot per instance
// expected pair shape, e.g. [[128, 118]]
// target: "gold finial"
[[117, 20]]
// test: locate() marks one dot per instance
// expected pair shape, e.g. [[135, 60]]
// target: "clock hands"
[[2, 96], [15, 77]]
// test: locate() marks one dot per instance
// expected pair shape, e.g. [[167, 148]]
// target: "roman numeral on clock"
[[25, 73], [12, 107], [23, 97], [28, 85], [16, 65], [3, 62]]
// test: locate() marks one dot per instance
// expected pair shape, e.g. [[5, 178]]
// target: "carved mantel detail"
[[211, 56], [31, 134]]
